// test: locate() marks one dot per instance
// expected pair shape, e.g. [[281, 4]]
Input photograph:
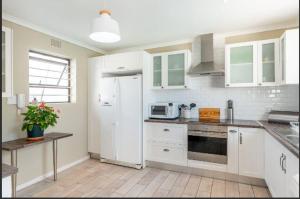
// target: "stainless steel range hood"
[[203, 57]]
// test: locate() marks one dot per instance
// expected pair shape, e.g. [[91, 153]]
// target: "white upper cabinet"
[[169, 70], [241, 64], [289, 57], [7, 79], [252, 64], [268, 62], [123, 62]]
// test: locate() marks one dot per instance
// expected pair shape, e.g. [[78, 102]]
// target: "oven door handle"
[[208, 134]]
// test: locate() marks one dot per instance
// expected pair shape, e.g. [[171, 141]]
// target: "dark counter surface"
[[240, 123], [278, 131], [8, 170], [23, 142]]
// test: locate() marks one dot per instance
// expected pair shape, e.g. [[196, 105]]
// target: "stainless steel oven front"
[[207, 143]]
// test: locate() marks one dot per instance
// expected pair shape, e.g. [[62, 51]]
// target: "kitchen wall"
[[249, 103], [36, 161], [209, 91]]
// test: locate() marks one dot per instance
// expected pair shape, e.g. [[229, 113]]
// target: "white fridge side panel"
[[129, 119]]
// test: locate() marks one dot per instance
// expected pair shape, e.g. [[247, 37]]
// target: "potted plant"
[[38, 117]]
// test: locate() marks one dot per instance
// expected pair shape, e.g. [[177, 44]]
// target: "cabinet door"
[[268, 62], [176, 69], [157, 71], [291, 165], [274, 175], [241, 64], [122, 62], [233, 150], [7, 89], [289, 46], [251, 152]]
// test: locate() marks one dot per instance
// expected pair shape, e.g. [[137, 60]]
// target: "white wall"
[[249, 103]]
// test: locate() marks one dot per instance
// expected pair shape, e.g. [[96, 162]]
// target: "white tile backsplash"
[[249, 103]]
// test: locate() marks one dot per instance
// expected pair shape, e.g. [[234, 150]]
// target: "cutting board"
[[209, 113]]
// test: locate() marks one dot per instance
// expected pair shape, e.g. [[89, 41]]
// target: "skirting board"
[[207, 173], [42, 177]]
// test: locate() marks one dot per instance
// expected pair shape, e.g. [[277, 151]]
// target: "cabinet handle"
[[227, 85], [162, 87], [259, 84], [185, 86], [232, 131], [120, 68], [284, 161], [166, 150], [241, 138], [166, 130], [281, 160]]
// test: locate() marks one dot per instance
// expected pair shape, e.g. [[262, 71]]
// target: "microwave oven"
[[163, 111]]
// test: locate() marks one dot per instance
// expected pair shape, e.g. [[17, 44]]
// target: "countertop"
[[8, 170], [240, 123], [278, 131]]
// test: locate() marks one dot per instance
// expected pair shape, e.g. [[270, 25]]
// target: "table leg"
[[55, 159], [13, 159]]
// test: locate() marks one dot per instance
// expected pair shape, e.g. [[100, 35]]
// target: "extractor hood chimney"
[[203, 56]]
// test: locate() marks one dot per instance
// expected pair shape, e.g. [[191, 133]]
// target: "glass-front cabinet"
[[169, 70], [268, 62], [241, 64], [253, 64], [6, 62]]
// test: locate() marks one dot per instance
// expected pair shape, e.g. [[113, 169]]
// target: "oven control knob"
[[166, 150]]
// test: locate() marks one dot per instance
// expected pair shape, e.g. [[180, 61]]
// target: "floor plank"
[[246, 191], [218, 188], [205, 187], [192, 186], [179, 185], [232, 190]]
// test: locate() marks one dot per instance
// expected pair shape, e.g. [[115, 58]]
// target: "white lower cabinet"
[[246, 151], [251, 152], [281, 166], [6, 187], [167, 143]]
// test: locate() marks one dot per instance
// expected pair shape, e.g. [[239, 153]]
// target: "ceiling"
[[144, 22]]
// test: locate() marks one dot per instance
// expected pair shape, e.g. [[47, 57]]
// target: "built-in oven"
[[207, 143]]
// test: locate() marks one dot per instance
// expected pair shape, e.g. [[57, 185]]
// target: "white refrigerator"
[[121, 120]]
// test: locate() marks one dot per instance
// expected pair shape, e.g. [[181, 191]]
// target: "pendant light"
[[105, 29]]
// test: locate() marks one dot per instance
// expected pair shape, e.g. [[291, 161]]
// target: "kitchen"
[[212, 116]]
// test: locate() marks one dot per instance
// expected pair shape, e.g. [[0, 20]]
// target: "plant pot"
[[35, 134]]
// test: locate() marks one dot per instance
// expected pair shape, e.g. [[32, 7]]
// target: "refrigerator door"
[[107, 121], [129, 117]]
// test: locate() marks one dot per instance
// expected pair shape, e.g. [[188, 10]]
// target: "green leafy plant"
[[39, 114]]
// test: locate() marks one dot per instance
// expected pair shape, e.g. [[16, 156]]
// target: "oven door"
[[158, 111], [208, 147]]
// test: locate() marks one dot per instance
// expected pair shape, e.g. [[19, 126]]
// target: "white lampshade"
[[105, 29]]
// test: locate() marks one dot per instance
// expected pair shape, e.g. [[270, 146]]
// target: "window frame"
[[68, 87]]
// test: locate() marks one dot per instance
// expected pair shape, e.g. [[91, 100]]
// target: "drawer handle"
[[166, 150], [232, 131], [166, 130], [121, 68]]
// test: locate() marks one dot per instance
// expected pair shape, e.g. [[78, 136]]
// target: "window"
[[49, 78]]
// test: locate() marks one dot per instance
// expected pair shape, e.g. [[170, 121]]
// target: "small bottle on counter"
[[230, 115]]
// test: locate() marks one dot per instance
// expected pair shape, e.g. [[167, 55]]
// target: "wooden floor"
[[94, 179]]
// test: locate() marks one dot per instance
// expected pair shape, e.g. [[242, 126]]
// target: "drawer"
[[167, 153], [167, 133]]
